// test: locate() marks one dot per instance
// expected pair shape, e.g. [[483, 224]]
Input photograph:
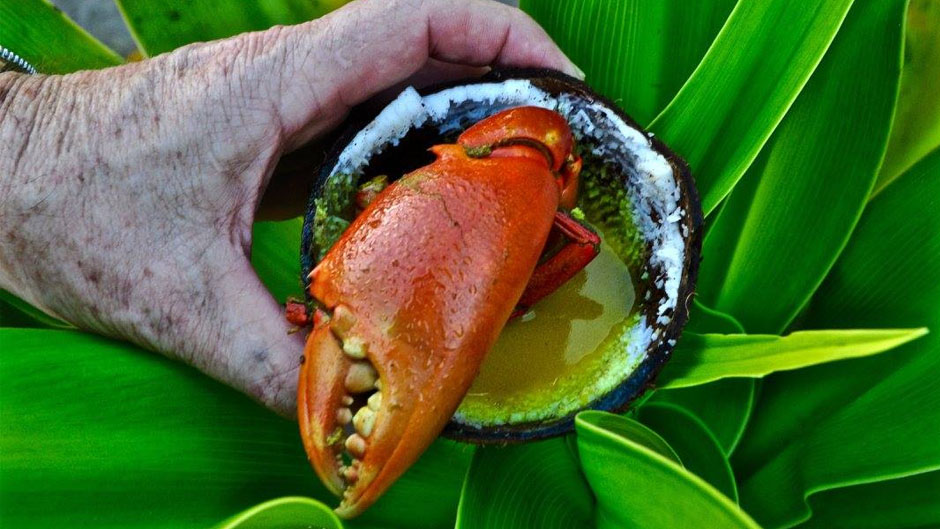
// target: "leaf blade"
[[631, 482], [763, 258], [620, 45], [635, 431], [275, 256], [49, 40], [14, 312], [292, 512], [699, 359], [724, 406], [93, 422], [916, 128], [694, 443], [162, 26], [904, 502], [498, 489], [746, 82], [868, 419]]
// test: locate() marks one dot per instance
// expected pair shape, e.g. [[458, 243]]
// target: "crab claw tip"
[[360, 430]]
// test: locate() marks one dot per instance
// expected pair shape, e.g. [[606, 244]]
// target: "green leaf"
[[285, 513], [431, 487], [40, 33], [838, 425], [633, 430], [766, 253], [702, 358], [621, 45], [638, 487], [275, 256], [530, 485], [93, 422], [890, 272], [916, 129], [110, 432], [697, 447], [868, 419], [159, 26], [744, 85], [905, 502], [724, 406]]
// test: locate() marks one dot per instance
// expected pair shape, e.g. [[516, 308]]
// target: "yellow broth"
[[557, 344]]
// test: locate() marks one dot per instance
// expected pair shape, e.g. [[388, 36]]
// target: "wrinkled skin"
[[127, 195], [417, 289]]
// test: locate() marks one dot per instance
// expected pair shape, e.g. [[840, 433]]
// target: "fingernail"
[[574, 70], [579, 73]]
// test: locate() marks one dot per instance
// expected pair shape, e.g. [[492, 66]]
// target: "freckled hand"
[[127, 195]]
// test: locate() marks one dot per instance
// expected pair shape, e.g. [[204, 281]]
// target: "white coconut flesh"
[[655, 212]]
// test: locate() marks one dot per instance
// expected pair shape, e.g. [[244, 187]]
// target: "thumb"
[[254, 350]]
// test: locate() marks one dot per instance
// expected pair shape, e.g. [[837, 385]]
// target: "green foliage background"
[[804, 392]]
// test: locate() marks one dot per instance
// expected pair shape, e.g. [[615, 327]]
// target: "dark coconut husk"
[[665, 293]]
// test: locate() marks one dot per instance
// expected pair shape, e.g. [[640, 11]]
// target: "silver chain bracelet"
[[10, 61]]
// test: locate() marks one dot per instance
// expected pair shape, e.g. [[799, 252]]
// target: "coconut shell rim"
[[642, 378]]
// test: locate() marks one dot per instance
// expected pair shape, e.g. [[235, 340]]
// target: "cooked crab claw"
[[416, 291]]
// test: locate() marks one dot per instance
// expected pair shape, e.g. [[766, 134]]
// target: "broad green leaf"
[[744, 85], [275, 256], [867, 419], [159, 26], [523, 486], [638, 487], [702, 358], [94, 423], [110, 431], [427, 495], [696, 446], [838, 425], [635, 52], [767, 253], [41, 33], [905, 502], [724, 405], [633, 430], [890, 272], [916, 129], [292, 512]]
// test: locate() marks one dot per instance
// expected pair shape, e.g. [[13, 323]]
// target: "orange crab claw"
[[413, 295]]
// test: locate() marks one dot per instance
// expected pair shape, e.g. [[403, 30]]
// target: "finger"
[[433, 72], [357, 51], [487, 33], [436, 71]]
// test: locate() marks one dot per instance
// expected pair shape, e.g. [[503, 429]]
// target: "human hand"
[[127, 195]]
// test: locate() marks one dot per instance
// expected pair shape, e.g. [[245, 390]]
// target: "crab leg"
[[582, 247]]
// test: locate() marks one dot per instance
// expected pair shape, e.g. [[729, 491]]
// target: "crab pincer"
[[418, 287]]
